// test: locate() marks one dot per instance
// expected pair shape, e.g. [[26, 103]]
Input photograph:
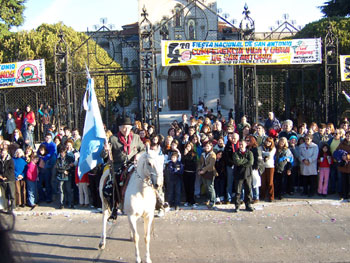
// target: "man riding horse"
[[125, 147]]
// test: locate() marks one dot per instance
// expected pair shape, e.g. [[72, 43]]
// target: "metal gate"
[[71, 83]]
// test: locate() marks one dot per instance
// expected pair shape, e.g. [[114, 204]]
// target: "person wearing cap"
[[125, 147]]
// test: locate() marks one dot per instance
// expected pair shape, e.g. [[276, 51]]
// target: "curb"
[[258, 206]]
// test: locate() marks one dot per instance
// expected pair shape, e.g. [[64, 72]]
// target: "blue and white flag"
[[94, 135], [347, 97]]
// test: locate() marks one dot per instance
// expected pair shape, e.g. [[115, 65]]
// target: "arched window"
[[178, 16], [191, 29]]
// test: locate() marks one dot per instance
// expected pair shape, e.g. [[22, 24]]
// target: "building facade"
[[180, 87]]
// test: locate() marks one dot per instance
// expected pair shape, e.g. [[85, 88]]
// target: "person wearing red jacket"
[[18, 118], [82, 185], [28, 117]]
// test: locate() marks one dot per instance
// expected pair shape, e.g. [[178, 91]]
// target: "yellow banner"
[[345, 68], [23, 74], [265, 52]]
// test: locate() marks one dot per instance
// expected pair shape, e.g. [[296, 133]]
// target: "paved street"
[[289, 231]]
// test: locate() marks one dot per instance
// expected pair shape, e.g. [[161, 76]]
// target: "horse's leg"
[[135, 236], [105, 215], [148, 220]]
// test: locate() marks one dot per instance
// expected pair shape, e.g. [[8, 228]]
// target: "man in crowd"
[[243, 160], [287, 131], [231, 147]]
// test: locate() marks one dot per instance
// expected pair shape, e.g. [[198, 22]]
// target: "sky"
[[85, 14]]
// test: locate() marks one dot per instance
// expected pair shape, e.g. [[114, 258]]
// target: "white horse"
[[140, 198]]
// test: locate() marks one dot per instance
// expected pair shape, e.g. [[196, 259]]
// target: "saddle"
[[115, 187], [124, 180]]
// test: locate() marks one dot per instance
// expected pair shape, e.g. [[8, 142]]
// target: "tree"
[[333, 8], [40, 43], [11, 14]]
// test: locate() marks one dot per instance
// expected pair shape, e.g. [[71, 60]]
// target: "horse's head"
[[152, 163]]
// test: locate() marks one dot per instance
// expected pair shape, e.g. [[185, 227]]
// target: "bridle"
[[147, 180]]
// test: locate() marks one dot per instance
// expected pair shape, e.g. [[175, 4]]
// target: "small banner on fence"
[[345, 68], [265, 52], [23, 74]]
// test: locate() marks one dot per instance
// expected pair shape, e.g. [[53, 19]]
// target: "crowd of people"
[[229, 162], [34, 173], [206, 160]]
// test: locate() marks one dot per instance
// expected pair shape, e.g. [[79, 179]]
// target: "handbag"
[[256, 178]]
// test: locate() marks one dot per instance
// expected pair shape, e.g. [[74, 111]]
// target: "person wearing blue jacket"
[[20, 171], [46, 166]]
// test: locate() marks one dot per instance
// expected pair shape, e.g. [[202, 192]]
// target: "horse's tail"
[[106, 173]]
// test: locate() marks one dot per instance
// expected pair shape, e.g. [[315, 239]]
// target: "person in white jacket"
[[267, 187], [308, 153]]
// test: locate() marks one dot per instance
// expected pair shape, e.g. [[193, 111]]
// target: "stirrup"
[[113, 216]]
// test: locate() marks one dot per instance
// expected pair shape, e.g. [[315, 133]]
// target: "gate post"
[[250, 95], [147, 70], [331, 75], [63, 83]]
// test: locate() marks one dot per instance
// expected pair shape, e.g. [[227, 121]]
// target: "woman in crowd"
[[283, 166], [267, 186], [308, 153], [189, 177], [18, 138], [20, 170], [257, 166]]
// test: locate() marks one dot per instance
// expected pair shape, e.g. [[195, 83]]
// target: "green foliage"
[[40, 44], [11, 14], [333, 8], [340, 27]]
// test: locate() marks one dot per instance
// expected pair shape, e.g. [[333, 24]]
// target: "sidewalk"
[[296, 200]]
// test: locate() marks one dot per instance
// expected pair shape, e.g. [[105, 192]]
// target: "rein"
[[146, 181]]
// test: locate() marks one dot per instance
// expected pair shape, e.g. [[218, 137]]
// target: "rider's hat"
[[126, 121]]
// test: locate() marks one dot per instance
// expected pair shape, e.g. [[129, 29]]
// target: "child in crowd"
[[220, 180], [175, 171], [64, 165], [32, 178], [82, 185], [325, 161]]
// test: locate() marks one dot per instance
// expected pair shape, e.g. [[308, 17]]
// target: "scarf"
[[234, 149], [126, 144]]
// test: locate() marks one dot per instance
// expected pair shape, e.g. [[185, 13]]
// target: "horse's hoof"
[[101, 246]]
